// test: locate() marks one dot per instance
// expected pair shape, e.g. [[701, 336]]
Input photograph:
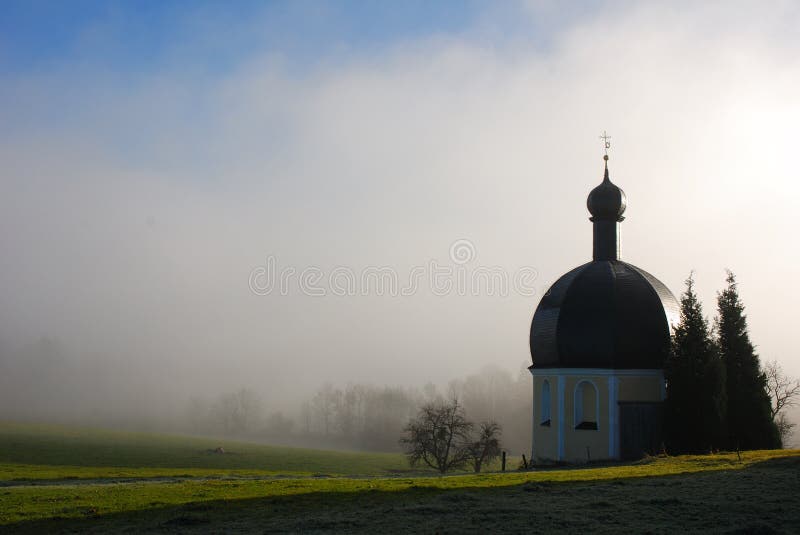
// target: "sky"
[[157, 157]]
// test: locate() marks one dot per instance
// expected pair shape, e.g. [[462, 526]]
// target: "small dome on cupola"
[[607, 201]]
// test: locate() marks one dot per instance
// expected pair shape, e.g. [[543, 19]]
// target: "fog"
[[136, 205]]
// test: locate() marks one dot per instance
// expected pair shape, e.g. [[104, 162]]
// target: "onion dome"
[[607, 201]]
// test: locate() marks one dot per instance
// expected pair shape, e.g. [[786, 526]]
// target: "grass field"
[[51, 451], [150, 483]]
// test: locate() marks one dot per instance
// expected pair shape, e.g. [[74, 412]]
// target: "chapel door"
[[640, 426]]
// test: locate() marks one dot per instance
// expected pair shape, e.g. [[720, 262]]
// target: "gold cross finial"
[[606, 144]]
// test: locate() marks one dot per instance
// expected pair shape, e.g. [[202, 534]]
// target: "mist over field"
[[140, 197]]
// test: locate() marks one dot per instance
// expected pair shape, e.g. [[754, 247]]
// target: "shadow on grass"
[[761, 498]]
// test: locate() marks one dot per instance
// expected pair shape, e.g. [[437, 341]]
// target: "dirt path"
[[79, 481]]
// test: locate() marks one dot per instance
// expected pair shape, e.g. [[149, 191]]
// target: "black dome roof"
[[604, 314]]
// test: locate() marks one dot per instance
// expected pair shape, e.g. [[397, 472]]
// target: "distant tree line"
[[236, 413], [368, 417], [718, 394], [372, 418], [360, 416]]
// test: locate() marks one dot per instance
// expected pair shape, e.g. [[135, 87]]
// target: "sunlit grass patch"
[[20, 503]]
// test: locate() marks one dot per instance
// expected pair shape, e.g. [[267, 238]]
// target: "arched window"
[[545, 419], [586, 405]]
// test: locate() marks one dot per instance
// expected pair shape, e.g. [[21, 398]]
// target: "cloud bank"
[[133, 207]]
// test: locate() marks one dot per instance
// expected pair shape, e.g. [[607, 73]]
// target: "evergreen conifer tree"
[[695, 404], [750, 424]]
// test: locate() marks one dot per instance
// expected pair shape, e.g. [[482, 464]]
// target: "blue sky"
[[137, 35], [215, 35]]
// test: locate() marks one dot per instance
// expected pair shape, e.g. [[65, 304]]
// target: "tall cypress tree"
[[750, 425], [695, 404]]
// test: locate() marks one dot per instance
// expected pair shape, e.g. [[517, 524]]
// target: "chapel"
[[599, 339]]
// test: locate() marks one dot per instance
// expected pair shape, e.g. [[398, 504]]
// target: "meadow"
[[52, 451], [65, 479]]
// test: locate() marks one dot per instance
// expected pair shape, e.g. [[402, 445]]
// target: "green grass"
[[35, 451], [667, 493]]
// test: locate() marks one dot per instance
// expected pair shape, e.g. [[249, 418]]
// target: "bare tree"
[[439, 437], [349, 410], [324, 404], [495, 394], [487, 447], [784, 391], [238, 411], [785, 428]]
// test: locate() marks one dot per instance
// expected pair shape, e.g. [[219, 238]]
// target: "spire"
[[606, 203], [606, 145]]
